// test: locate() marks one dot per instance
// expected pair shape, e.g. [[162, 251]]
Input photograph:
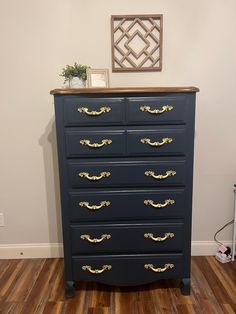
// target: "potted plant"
[[75, 75]]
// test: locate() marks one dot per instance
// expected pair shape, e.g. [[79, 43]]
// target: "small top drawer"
[[94, 143], [93, 111], [162, 109]]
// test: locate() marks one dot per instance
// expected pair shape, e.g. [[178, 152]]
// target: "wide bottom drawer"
[[127, 270], [127, 238]]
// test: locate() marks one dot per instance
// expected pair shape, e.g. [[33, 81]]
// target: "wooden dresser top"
[[115, 90]]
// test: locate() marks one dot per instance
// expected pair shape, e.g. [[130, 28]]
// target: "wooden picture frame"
[[97, 78], [136, 42]]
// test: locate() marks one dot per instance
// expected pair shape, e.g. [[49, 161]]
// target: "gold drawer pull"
[[159, 205], [95, 240], [159, 239], [94, 178], [159, 269], [164, 141], [156, 111], [93, 112], [94, 207], [169, 173], [96, 271], [95, 145]]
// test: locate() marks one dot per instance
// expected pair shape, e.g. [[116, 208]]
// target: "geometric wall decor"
[[136, 42]]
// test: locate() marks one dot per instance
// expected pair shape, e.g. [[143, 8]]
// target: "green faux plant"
[[76, 70]]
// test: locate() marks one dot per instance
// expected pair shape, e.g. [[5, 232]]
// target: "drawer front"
[[95, 143], [126, 238], [133, 173], [128, 270], [158, 110], [93, 111], [162, 141], [125, 205], [122, 141]]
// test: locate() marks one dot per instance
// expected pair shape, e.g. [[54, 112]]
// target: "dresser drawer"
[[158, 141], [125, 205], [127, 270], [158, 110], [127, 173], [114, 238], [87, 142], [95, 143], [93, 111]]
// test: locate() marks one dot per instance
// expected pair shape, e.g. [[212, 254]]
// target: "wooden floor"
[[36, 286]]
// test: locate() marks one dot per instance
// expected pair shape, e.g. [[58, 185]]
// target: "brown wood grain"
[[113, 90], [37, 286]]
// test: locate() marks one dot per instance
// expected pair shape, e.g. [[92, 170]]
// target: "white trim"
[[203, 248], [31, 250], [53, 250]]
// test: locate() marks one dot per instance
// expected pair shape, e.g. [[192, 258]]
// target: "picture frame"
[[97, 78]]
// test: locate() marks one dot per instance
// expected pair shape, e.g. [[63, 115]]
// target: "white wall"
[[38, 38]]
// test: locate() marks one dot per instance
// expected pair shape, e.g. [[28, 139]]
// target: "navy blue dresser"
[[126, 168]]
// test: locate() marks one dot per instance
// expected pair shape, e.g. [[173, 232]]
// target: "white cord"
[[226, 225], [234, 232]]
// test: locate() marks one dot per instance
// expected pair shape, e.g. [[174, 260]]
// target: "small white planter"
[[76, 82]]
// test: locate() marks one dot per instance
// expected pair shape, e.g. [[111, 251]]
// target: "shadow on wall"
[[48, 143]]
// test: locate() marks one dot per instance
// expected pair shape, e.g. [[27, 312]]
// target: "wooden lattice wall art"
[[136, 42]]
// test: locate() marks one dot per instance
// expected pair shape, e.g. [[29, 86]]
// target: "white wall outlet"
[[2, 220]]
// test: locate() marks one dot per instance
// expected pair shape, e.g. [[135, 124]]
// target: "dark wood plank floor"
[[36, 286]]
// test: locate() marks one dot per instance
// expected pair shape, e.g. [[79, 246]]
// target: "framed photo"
[[97, 78]]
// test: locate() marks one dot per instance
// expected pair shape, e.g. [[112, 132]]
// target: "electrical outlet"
[[1, 220]]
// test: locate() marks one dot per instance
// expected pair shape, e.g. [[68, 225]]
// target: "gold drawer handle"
[[159, 239], [159, 269], [169, 173], [96, 271], [94, 207], [156, 111], [95, 145], [94, 178], [159, 205], [93, 112], [95, 240], [164, 141]]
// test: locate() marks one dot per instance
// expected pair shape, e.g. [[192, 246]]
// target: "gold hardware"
[[156, 111], [94, 178], [169, 173], [94, 113], [159, 239], [95, 240], [96, 145], [159, 269], [94, 207], [159, 205], [96, 271], [164, 141]]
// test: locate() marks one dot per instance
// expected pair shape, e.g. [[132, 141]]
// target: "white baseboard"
[[53, 250], [32, 250], [203, 248]]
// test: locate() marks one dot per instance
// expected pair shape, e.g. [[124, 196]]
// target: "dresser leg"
[[69, 289], [185, 286]]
